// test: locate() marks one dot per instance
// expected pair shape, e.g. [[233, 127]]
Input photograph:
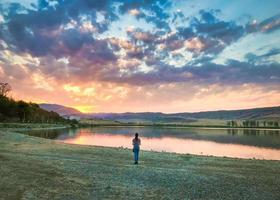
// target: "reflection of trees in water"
[[53, 134], [232, 131], [251, 132], [44, 134], [271, 132]]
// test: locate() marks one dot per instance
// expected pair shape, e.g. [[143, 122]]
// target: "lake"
[[239, 143]]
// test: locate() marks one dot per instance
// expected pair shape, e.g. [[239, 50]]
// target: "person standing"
[[136, 142]]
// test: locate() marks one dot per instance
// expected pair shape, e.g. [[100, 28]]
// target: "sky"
[[142, 55]]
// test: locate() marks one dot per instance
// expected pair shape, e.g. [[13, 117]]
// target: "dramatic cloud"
[[73, 46], [266, 26], [215, 34]]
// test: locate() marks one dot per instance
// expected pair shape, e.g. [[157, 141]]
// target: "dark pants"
[[136, 154]]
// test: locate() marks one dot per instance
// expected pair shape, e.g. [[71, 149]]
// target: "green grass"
[[31, 125], [37, 168]]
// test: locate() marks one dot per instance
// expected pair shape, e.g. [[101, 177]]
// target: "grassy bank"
[[36, 168], [32, 125]]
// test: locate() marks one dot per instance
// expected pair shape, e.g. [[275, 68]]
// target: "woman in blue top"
[[136, 147]]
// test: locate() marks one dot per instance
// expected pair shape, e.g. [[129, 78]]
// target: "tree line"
[[20, 111], [253, 124]]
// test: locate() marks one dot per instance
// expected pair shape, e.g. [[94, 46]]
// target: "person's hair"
[[136, 135]]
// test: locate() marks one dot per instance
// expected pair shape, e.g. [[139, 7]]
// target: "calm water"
[[259, 144]]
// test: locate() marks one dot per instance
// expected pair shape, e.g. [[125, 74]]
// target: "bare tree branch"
[[5, 88]]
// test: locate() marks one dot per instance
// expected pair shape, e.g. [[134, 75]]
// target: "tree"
[[5, 88], [14, 111], [23, 110], [270, 123], [253, 123], [229, 124], [233, 123]]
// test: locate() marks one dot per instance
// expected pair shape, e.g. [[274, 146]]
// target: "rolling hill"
[[266, 113], [61, 110]]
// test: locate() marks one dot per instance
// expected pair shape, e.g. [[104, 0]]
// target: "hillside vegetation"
[[20, 111], [61, 110]]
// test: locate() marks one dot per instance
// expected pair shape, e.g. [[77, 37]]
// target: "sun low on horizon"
[[84, 109], [142, 56]]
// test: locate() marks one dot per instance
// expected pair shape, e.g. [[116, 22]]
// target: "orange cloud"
[[195, 44], [134, 12]]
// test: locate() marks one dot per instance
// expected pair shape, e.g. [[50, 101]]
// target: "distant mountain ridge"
[[266, 113]]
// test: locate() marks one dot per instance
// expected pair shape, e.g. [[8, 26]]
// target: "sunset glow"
[[123, 56]]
